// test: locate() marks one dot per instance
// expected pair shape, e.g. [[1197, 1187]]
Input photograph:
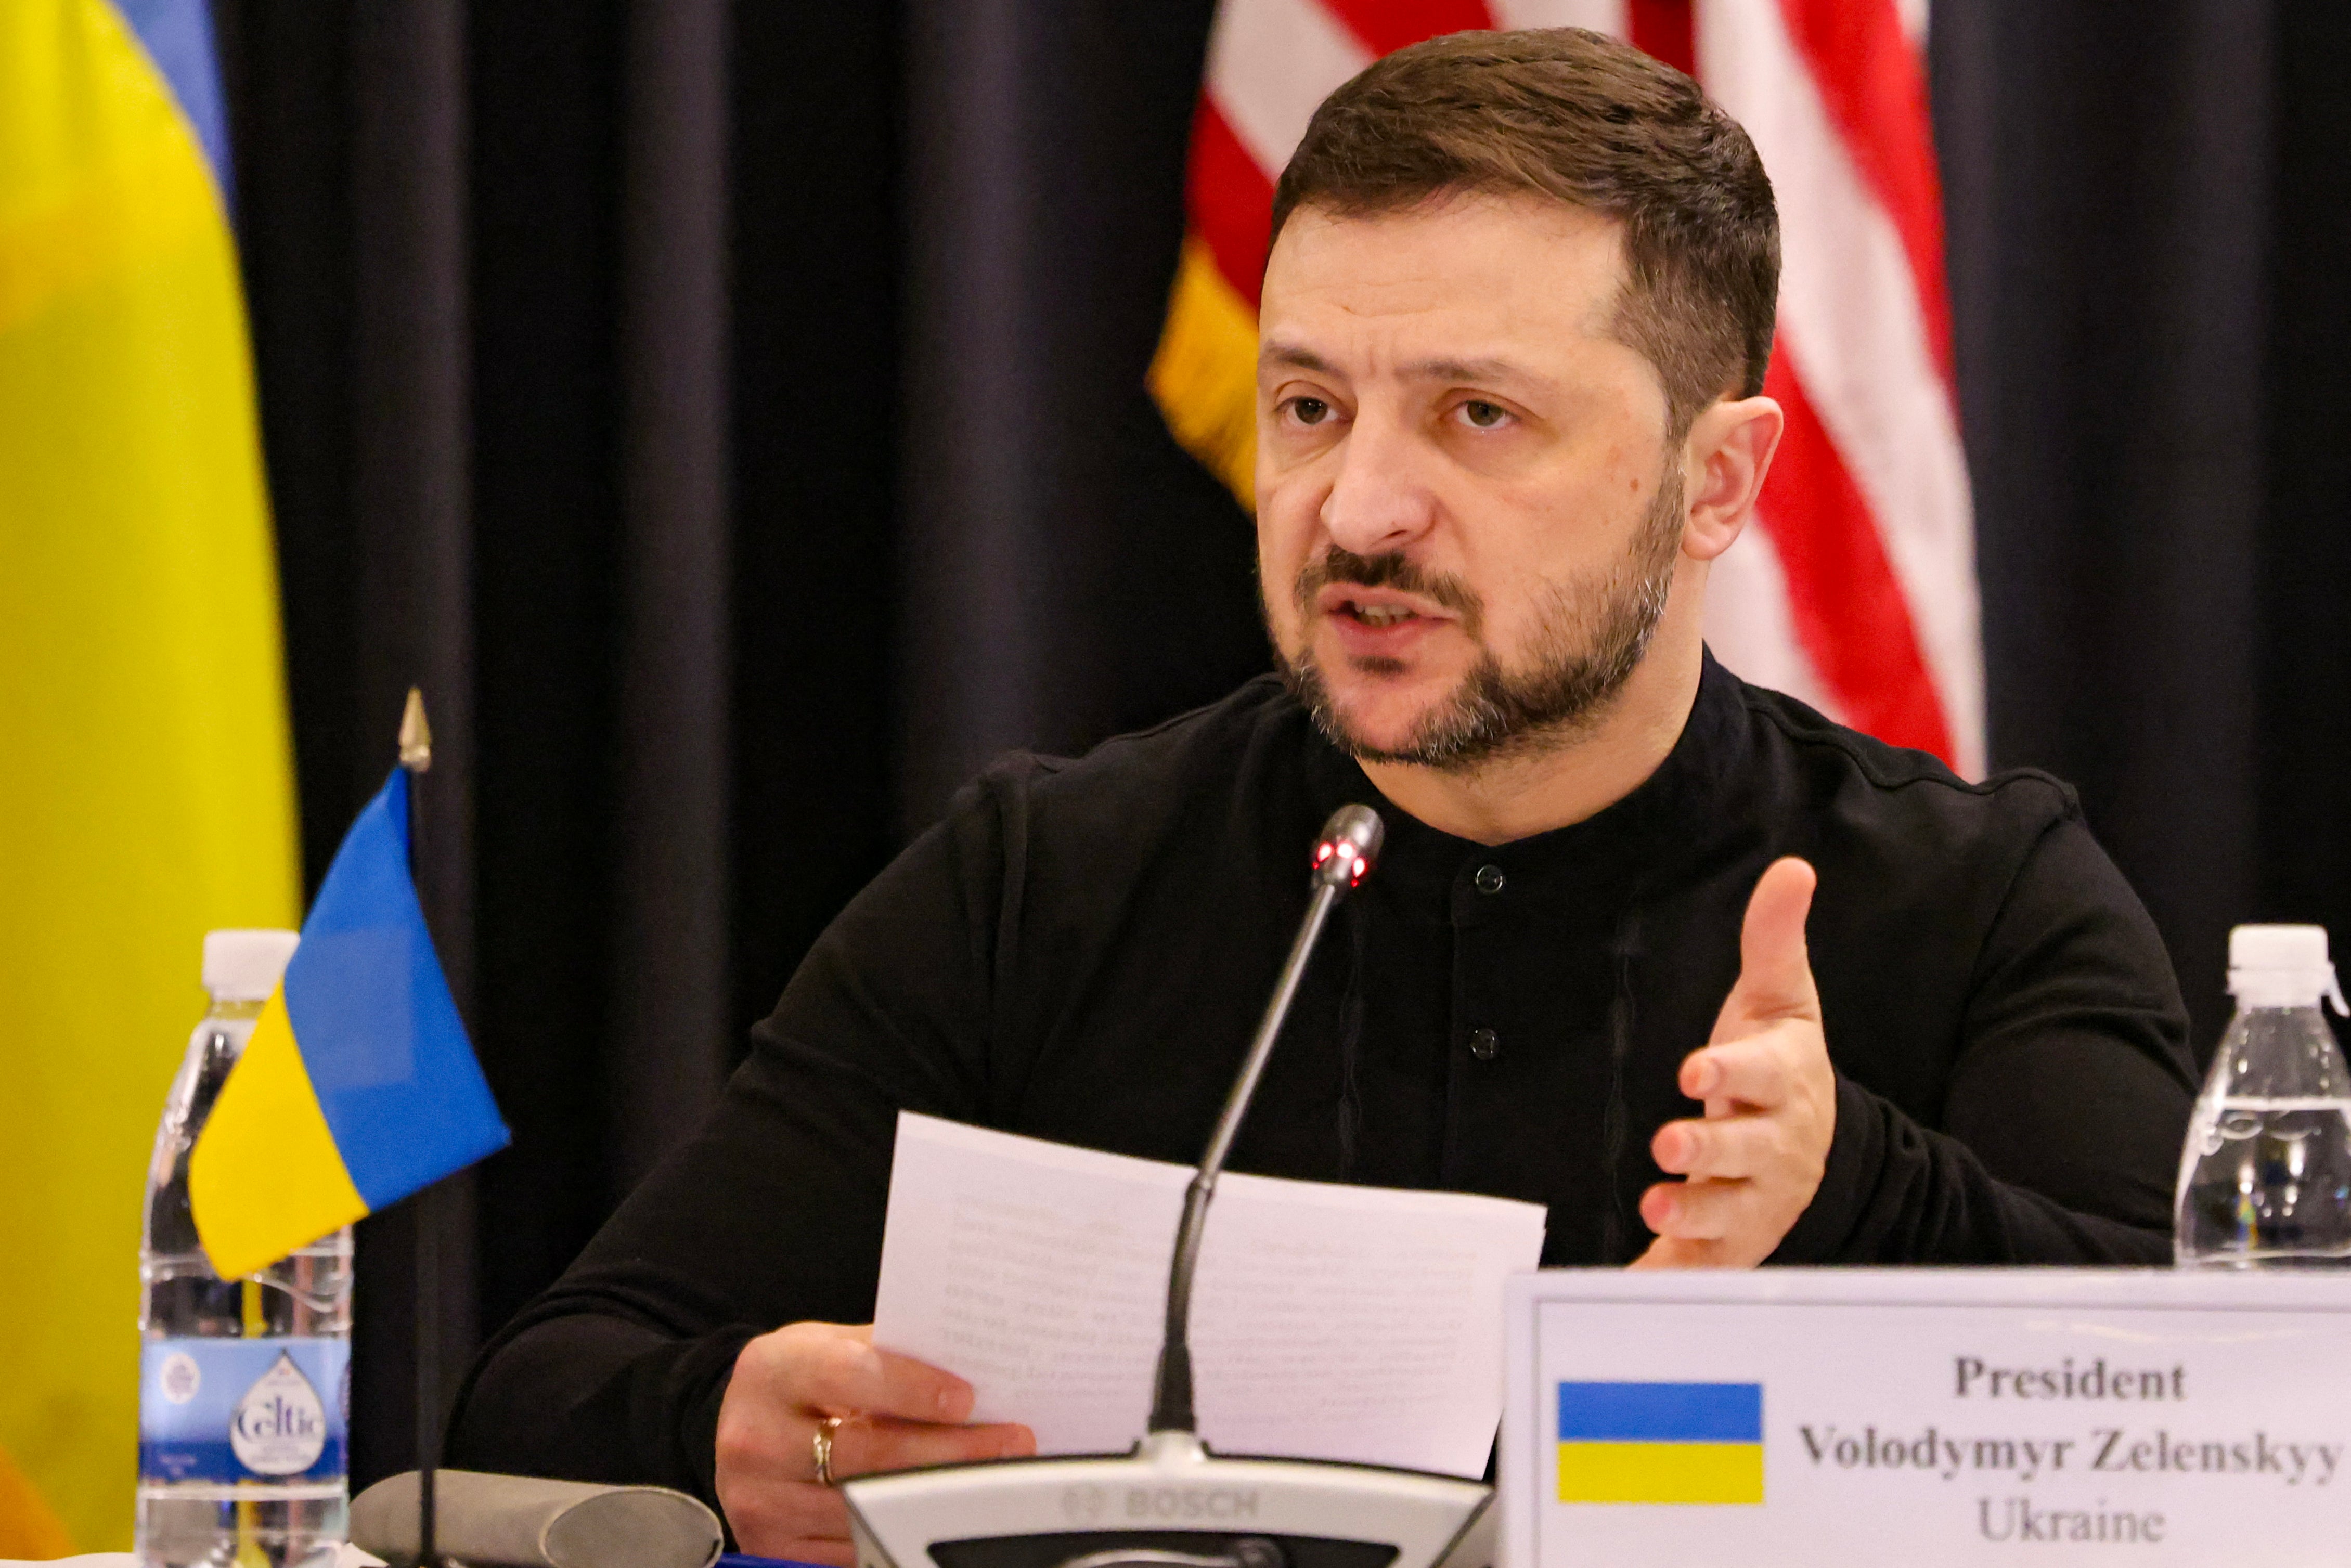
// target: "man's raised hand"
[[1752, 1162], [898, 1413]]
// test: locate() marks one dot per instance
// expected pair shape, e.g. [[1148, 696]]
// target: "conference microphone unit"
[[1170, 1502]]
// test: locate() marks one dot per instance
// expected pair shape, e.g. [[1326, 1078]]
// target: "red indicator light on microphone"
[[1348, 845], [1356, 866]]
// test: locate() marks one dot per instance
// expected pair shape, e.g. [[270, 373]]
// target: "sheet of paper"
[[1337, 1323]]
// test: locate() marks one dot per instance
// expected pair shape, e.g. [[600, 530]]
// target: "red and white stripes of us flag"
[[1857, 590]]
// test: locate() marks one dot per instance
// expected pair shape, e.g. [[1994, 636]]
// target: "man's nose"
[[1379, 501]]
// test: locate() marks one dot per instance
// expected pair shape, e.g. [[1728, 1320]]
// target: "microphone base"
[[1173, 1504]]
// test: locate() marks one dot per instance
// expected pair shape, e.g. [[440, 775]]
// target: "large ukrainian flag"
[[1661, 1442], [147, 791]]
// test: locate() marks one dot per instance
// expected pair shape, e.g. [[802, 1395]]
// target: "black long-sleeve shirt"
[[1079, 951]]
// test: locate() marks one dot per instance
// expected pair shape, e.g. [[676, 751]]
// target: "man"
[[1515, 323]]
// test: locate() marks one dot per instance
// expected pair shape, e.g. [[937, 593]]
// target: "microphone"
[[1171, 1503], [524, 1522], [1344, 854]]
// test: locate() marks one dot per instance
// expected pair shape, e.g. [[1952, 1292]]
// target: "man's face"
[[1468, 523]]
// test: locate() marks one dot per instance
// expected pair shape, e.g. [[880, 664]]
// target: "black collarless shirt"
[[1081, 950]]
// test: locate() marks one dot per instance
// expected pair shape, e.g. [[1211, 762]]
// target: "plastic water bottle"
[[244, 1385], [2265, 1179]]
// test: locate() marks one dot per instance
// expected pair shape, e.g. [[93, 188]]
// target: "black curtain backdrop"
[[2110, 207], [732, 417], [1068, 572], [576, 327]]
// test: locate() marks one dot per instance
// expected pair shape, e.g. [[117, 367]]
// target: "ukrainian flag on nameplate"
[[357, 1086], [1661, 1442]]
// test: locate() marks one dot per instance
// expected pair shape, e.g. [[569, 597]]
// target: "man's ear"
[[1724, 461]]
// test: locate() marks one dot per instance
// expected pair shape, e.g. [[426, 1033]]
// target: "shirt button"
[[1484, 1044], [1489, 879]]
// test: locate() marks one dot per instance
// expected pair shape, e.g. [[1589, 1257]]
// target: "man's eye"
[[1484, 415], [1309, 409]]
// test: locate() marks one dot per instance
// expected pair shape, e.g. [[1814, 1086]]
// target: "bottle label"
[[243, 1409]]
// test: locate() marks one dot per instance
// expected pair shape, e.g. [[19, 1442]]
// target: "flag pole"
[[416, 757]]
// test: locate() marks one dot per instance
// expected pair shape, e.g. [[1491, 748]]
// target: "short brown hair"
[[1582, 118]]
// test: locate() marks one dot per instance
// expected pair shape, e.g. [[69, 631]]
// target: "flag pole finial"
[[416, 735]]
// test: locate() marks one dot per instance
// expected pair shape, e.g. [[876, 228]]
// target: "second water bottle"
[[2266, 1178]]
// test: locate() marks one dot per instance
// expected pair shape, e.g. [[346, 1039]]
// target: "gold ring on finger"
[[821, 1440]]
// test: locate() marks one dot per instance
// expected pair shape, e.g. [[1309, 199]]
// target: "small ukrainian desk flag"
[[1661, 1442], [357, 1086]]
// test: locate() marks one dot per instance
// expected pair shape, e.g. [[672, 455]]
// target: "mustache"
[[1392, 569]]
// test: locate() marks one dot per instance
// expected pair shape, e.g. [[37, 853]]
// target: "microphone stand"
[[1349, 847], [1171, 1503]]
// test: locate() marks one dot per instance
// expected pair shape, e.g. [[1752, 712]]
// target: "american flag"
[[1857, 590]]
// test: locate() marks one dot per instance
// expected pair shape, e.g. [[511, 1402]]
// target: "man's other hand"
[[897, 1413], [1754, 1161]]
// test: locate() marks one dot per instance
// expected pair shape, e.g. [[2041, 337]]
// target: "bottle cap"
[[2281, 965], [243, 966]]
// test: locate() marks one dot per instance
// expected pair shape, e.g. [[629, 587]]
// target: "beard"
[[1590, 636]]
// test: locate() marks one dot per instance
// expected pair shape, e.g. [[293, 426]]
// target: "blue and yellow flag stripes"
[[148, 796], [1661, 1442], [357, 1086]]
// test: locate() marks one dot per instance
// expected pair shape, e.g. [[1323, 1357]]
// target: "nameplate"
[[1786, 1419]]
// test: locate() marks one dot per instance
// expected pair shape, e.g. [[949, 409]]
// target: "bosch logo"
[[1190, 1502]]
